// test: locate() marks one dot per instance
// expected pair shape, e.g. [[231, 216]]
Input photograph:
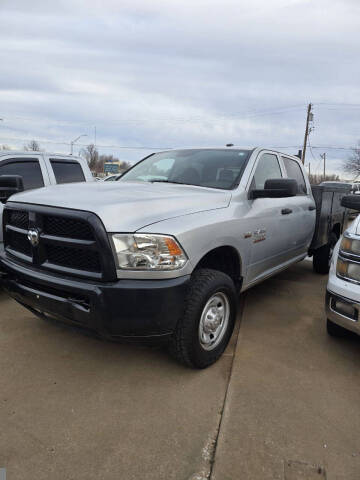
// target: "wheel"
[[322, 256], [204, 331], [335, 330]]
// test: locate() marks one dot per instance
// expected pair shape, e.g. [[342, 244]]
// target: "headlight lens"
[[349, 245], [148, 252], [348, 270]]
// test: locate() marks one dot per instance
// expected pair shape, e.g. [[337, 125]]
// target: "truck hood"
[[128, 206]]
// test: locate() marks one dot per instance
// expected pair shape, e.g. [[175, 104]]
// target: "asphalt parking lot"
[[282, 403]]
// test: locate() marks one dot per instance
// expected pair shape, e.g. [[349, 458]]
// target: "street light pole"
[[74, 141]]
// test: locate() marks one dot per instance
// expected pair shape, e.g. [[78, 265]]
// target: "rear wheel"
[[322, 256], [335, 330], [204, 331]]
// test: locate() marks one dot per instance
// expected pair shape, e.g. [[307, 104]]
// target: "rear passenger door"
[[303, 208]]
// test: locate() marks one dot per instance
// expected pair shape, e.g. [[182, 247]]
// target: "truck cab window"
[[29, 169], [67, 171], [293, 170], [267, 168]]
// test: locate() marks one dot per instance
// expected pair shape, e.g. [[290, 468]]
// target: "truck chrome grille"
[[68, 241]]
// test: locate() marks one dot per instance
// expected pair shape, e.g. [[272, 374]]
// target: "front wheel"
[[204, 331]]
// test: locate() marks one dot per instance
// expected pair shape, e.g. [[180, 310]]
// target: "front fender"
[[200, 233]]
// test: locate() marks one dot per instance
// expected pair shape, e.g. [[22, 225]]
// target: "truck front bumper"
[[129, 309], [343, 311]]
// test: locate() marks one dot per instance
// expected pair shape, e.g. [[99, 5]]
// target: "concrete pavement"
[[73, 407], [293, 406], [285, 406]]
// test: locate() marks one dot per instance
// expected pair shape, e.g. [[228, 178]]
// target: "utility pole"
[[309, 170], [323, 156], [309, 118]]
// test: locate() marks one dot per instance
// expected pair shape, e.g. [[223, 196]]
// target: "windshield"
[[213, 168]]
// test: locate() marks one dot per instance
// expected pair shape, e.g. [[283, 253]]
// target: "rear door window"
[[28, 168], [293, 170], [67, 171]]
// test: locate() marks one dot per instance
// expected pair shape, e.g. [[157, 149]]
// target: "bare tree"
[[32, 146], [5, 147], [92, 156], [352, 164], [125, 166]]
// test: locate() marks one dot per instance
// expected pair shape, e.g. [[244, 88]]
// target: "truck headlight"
[[350, 245], [348, 270], [147, 252]]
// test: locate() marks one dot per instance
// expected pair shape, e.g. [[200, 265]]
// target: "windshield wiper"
[[161, 180]]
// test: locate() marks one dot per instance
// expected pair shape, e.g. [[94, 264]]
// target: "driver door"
[[270, 222]]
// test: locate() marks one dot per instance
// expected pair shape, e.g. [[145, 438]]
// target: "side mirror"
[[9, 185], [349, 201], [277, 188]]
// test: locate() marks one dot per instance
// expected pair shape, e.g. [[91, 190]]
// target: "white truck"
[[342, 302], [162, 253], [40, 169]]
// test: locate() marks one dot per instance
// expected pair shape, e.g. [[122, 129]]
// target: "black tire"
[[335, 330], [185, 344], [351, 201], [322, 256]]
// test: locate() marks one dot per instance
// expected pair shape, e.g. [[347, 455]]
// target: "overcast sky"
[[173, 73]]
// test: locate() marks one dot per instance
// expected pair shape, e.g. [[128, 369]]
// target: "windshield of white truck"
[[215, 168]]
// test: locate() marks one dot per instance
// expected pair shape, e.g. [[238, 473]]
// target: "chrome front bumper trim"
[[340, 318]]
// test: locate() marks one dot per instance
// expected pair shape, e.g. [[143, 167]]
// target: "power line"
[[339, 104], [182, 118], [53, 142], [143, 147], [251, 113], [327, 147]]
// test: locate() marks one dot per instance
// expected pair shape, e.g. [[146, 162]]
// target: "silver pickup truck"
[[163, 252]]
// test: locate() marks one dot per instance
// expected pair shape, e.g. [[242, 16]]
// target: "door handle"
[[312, 207], [286, 211]]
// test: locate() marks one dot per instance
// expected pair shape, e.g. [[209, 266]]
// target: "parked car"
[[40, 169], [112, 178], [343, 289], [162, 253]]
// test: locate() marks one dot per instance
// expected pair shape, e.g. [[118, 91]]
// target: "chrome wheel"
[[214, 321]]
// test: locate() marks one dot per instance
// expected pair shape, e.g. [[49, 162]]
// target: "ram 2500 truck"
[[40, 169], [163, 252]]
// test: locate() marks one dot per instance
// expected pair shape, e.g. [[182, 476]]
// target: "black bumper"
[[124, 309]]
